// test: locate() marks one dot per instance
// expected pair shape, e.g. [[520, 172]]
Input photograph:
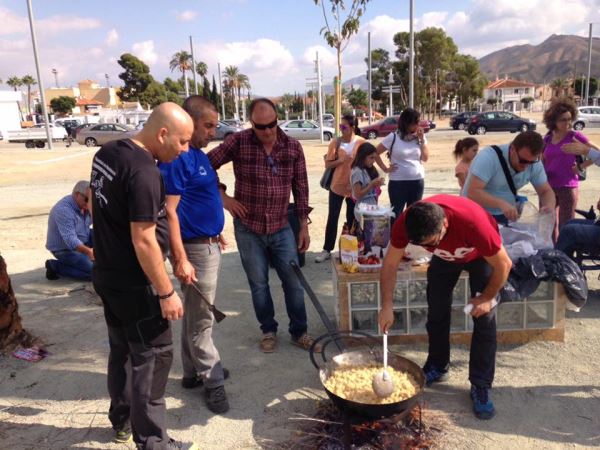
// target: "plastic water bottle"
[[469, 306]]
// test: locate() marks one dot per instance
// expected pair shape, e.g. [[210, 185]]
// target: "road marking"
[[60, 158]]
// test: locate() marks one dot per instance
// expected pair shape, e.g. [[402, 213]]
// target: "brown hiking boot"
[[268, 342], [305, 341]]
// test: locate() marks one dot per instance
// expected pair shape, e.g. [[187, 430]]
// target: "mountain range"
[[559, 56]]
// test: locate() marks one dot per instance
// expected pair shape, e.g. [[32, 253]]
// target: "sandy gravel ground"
[[547, 395]]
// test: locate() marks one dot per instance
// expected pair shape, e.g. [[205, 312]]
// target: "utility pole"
[[40, 82], [370, 76], [221, 90], [411, 60], [320, 98], [193, 65], [587, 90], [391, 81]]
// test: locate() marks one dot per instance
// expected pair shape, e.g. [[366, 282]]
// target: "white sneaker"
[[324, 256]]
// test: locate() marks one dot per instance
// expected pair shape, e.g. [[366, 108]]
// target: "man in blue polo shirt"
[[196, 219]]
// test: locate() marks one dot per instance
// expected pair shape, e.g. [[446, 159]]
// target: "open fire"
[[329, 429]]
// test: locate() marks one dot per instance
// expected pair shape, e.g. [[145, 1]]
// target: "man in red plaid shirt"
[[268, 166]]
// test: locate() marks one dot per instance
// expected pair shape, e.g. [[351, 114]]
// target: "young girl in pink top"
[[464, 152]]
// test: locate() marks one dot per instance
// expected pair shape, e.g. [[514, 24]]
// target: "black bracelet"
[[166, 296]]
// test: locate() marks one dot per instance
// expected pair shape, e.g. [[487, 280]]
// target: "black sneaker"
[[194, 382], [483, 407], [50, 272], [433, 375], [216, 399], [178, 445]]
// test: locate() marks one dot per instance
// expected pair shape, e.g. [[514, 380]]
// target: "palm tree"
[[183, 61], [559, 85], [243, 82], [231, 75], [14, 82], [28, 81], [202, 70]]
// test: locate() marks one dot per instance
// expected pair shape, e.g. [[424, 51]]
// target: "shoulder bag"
[[328, 173]]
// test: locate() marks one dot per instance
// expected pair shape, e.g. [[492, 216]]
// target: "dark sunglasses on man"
[[264, 126]]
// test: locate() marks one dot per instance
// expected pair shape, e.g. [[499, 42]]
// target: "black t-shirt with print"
[[126, 187]]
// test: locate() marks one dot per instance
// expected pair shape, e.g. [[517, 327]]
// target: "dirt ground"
[[547, 394]]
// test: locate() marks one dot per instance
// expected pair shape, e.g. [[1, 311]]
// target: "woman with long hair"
[[561, 168], [407, 151], [340, 154]]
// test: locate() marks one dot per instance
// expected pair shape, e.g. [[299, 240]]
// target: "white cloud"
[[264, 61], [112, 37], [66, 22], [13, 23], [186, 16], [145, 51], [482, 29]]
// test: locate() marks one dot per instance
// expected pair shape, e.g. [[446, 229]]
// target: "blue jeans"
[[404, 193], [256, 250], [72, 264], [579, 235]]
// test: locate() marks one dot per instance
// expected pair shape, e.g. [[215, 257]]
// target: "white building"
[[10, 114], [508, 92]]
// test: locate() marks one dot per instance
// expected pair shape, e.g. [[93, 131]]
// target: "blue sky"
[[273, 42]]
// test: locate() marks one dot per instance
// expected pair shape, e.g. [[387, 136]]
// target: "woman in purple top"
[[562, 168]]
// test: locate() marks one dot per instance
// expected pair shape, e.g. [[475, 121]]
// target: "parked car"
[[499, 121], [233, 122], [224, 130], [71, 123], [306, 129], [102, 133], [587, 116], [390, 124], [81, 127], [328, 120], [461, 120]]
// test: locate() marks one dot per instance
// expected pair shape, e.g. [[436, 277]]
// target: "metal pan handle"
[[338, 338]]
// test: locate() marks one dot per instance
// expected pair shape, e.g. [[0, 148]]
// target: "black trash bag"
[[548, 264], [563, 269]]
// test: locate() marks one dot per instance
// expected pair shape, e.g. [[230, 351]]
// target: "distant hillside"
[[561, 56], [358, 82]]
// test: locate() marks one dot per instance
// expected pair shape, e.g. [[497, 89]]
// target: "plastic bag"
[[532, 226]]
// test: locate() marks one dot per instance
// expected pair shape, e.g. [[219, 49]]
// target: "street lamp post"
[[107, 80], [37, 68], [55, 73], [411, 60]]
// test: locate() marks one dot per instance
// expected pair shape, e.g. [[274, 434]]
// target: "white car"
[[306, 129], [587, 116]]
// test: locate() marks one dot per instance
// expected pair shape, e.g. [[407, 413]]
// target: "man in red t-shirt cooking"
[[461, 235]]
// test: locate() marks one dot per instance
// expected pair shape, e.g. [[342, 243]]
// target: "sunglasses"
[[272, 165], [344, 127], [264, 126], [527, 162]]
